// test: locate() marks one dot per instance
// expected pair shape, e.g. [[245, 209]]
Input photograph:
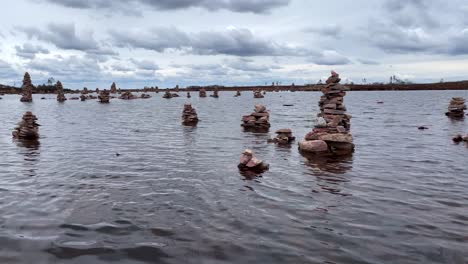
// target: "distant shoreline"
[[461, 85]]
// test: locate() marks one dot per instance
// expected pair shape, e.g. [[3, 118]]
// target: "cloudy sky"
[[231, 42]]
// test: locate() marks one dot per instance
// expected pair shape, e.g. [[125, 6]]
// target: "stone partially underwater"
[[104, 97], [27, 128], [189, 115], [331, 135], [202, 93], [283, 137], [26, 89], [258, 121], [167, 95], [215, 93], [258, 94], [60, 95], [457, 108], [248, 162], [127, 96]]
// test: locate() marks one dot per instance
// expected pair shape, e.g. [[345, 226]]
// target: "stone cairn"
[[145, 96], [215, 93], [188, 95], [104, 96], [457, 108], [258, 94], [258, 120], [85, 91], [167, 95], [26, 89], [248, 162], [60, 95], [238, 93], [189, 115], [332, 133], [97, 90], [127, 96], [27, 128], [202, 92], [283, 137], [113, 88]]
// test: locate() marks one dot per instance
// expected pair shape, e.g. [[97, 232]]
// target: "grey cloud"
[[69, 68], [29, 51], [331, 30], [237, 42], [145, 64], [6, 70], [247, 65], [241, 6], [368, 62], [459, 44], [330, 57]]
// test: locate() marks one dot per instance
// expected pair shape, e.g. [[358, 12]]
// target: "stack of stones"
[[113, 88], [27, 129], [60, 95], [145, 96], [258, 94], [167, 95], [26, 89], [284, 136], [331, 135], [456, 108], [83, 97], [248, 162], [85, 91], [189, 115], [188, 95], [127, 96], [238, 93], [202, 92], [104, 96], [258, 120], [215, 93], [97, 90]]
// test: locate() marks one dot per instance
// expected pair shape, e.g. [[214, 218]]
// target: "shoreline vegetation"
[[460, 85]]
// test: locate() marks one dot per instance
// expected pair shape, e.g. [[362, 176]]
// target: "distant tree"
[[51, 81]]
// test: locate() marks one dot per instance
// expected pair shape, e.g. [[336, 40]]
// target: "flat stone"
[[338, 137], [284, 131], [334, 112], [313, 146]]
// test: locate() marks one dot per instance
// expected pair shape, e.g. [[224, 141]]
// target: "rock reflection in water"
[[30, 150]]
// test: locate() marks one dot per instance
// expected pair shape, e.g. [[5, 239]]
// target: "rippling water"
[[174, 195]]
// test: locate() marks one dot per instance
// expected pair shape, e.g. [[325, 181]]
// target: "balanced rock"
[[333, 125], [283, 136], [189, 115], [457, 108], [26, 89], [27, 128], [104, 96], [60, 95], [248, 162], [258, 120], [202, 93]]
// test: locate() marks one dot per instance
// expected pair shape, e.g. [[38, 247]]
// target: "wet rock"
[[167, 94], [457, 138], [26, 89], [189, 115], [423, 128], [188, 95], [333, 125], [74, 98], [456, 108], [283, 137], [258, 120], [175, 95], [248, 162], [60, 95], [202, 93], [145, 96], [238, 93], [127, 96], [215, 93], [85, 91], [27, 128], [104, 96], [258, 94]]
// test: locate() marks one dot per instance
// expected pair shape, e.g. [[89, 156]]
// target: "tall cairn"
[[202, 92], [332, 134], [456, 108], [26, 89], [27, 128], [104, 96], [189, 115], [60, 95], [113, 88], [215, 93]]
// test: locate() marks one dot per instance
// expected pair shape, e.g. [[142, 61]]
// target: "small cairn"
[[189, 115], [145, 96], [26, 89], [127, 96], [284, 136], [60, 95], [248, 162], [83, 97], [258, 94], [202, 92], [332, 134], [167, 95], [113, 88], [104, 96], [27, 128], [457, 108], [188, 95], [238, 93], [85, 91], [258, 120], [215, 93], [97, 90]]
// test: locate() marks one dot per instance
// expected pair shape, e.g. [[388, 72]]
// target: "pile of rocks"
[[215, 93], [459, 138], [83, 97], [258, 120], [258, 94], [113, 88], [104, 96], [284, 136], [60, 95], [127, 96], [145, 96], [27, 128], [238, 93], [202, 92], [167, 95], [188, 95], [26, 89], [85, 91], [248, 162], [332, 133], [456, 108], [189, 115]]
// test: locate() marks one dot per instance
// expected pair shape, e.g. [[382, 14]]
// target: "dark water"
[[174, 195]]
